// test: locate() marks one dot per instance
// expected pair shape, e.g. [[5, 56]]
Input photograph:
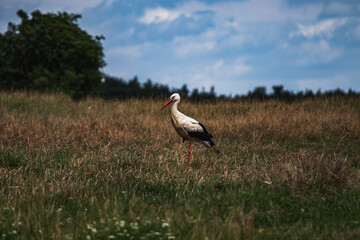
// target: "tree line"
[[114, 87], [50, 52], [118, 88]]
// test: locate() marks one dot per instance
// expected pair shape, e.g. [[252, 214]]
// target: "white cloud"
[[109, 2], [185, 47], [213, 40], [245, 11], [317, 53], [159, 15], [265, 11], [218, 65], [235, 67], [239, 67], [323, 28], [225, 71]]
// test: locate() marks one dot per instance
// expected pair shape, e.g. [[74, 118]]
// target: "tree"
[[278, 91], [259, 93], [50, 52]]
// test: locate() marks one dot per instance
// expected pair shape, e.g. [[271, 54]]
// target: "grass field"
[[99, 169]]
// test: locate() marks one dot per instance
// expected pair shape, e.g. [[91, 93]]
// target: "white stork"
[[188, 128]]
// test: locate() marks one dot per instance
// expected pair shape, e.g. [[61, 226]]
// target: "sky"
[[234, 46]]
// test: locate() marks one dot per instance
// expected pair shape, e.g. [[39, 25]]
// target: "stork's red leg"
[[189, 153]]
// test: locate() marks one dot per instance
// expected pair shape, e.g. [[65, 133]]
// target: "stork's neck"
[[174, 109]]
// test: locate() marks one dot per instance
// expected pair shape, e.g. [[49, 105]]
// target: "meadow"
[[97, 169]]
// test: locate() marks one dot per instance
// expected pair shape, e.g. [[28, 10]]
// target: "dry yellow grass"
[[255, 132]]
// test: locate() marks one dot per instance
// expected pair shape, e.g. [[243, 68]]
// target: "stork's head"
[[175, 97]]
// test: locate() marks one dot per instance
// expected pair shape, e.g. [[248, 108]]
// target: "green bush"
[[50, 52]]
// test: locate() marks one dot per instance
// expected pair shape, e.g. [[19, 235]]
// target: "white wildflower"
[[135, 227], [122, 223]]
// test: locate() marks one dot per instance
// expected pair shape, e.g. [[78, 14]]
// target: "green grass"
[[109, 172]]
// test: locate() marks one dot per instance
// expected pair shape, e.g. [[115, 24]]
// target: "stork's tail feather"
[[209, 143]]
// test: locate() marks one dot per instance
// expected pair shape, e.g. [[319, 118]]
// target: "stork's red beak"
[[167, 103]]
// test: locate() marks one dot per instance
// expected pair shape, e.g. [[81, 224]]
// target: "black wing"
[[204, 135]]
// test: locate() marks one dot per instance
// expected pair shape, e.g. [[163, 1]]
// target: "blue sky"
[[232, 45]]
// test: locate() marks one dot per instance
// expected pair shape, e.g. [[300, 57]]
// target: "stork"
[[188, 128]]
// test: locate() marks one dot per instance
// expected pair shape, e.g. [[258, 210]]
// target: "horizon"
[[268, 90], [233, 46]]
